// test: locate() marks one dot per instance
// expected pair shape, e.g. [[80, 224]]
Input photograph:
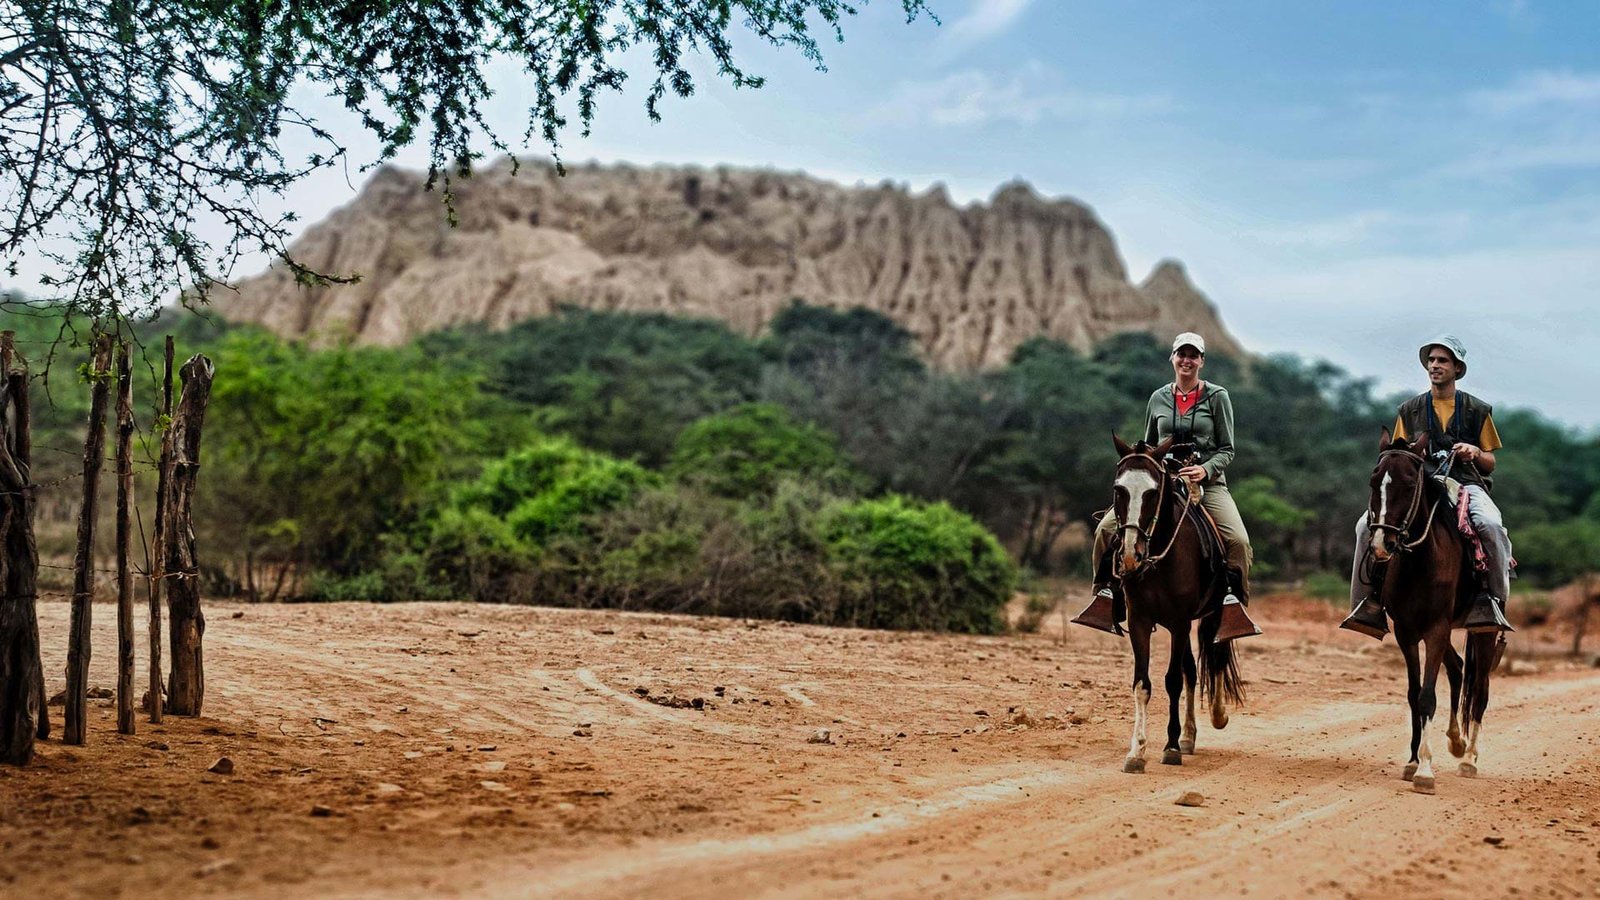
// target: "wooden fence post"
[[186, 685], [94, 450], [125, 723], [22, 710], [157, 700]]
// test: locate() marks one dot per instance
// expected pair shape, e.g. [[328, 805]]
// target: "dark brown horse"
[[1168, 581], [1427, 584]]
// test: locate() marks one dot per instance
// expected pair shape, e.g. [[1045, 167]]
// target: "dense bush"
[[551, 488], [748, 450], [907, 565]]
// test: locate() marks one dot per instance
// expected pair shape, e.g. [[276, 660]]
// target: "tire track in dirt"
[[1283, 784]]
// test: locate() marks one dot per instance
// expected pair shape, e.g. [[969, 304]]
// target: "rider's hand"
[[1466, 452], [1192, 473]]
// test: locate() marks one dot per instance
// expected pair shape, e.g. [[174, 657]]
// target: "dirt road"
[[462, 750]]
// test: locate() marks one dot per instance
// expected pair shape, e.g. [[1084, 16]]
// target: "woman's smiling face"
[[1187, 363]]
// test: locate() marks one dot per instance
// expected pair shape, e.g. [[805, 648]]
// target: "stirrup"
[[1100, 614], [1235, 622], [1485, 616], [1367, 618]]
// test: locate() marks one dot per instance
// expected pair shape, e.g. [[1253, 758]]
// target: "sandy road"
[[465, 750]]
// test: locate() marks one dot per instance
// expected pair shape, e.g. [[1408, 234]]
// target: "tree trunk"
[[22, 710], [157, 700], [125, 723], [78, 647], [187, 680]]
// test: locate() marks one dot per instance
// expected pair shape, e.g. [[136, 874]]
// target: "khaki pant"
[[1216, 501]]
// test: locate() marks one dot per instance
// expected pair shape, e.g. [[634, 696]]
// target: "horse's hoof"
[[1410, 770], [1458, 747], [1133, 766], [1187, 746], [1172, 757], [1422, 784], [1468, 770], [1219, 720]]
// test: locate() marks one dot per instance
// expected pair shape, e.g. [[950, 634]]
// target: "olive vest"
[[1465, 427]]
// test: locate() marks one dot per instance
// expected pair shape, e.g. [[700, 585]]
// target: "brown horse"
[[1427, 584], [1168, 581]]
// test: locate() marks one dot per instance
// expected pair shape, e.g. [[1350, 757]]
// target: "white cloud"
[[1027, 96], [1559, 153], [1538, 89], [984, 20]]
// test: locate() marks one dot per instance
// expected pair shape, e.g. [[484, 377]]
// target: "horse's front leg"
[[1409, 650], [1186, 743], [1437, 640], [1139, 638], [1171, 755]]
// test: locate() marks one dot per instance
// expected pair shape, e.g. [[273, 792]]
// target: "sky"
[[1343, 179]]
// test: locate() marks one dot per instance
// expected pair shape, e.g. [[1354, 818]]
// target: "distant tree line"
[[820, 472]]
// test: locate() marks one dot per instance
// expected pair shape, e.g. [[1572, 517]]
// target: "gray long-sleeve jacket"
[[1210, 425]]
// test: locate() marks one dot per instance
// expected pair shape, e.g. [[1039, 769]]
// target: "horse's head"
[[1136, 491], [1398, 485]]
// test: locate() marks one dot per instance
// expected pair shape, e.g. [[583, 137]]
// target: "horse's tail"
[[1219, 668]]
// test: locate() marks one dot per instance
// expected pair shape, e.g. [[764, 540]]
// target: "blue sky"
[[1344, 179]]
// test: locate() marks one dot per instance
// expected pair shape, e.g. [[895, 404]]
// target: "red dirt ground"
[[493, 751]]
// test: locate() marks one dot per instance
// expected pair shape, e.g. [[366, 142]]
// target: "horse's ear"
[[1420, 445], [1122, 446], [1385, 440], [1162, 448]]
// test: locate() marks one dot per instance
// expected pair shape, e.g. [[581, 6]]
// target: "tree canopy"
[[133, 131]]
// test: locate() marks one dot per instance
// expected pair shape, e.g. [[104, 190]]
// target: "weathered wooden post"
[[94, 450], [157, 702], [22, 709], [125, 724], [186, 685]]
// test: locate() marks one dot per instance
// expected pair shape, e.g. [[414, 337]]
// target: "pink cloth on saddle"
[[1480, 557]]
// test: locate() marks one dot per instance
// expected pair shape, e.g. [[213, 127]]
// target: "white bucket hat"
[[1451, 344], [1189, 339]]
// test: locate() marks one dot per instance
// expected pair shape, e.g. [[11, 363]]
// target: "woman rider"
[[1202, 414]]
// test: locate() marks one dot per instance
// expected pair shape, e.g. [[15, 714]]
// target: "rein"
[[1404, 529], [1155, 521]]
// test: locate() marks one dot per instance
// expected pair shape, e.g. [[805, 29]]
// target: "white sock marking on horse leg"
[[1141, 705], [1425, 752], [1471, 759]]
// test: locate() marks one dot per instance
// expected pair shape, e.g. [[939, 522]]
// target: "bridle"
[[1163, 483], [1404, 528]]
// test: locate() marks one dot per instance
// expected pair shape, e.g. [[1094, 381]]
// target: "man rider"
[[1453, 420]]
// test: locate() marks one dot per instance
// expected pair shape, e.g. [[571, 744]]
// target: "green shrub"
[[548, 488], [1324, 585], [907, 565], [747, 450]]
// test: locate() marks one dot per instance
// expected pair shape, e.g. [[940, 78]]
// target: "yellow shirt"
[[1488, 437]]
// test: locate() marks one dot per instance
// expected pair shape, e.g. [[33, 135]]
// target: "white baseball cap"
[[1189, 339]]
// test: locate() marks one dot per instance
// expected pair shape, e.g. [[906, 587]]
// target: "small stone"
[[492, 786], [320, 811], [488, 748], [1494, 840], [1191, 798], [413, 754], [980, 712], [158, 745], [820, 736], [223, 766], [209, 843], [582, 732], [385, 787], [239, 614], [212, 868], [642, 691], [1521, 667], [496, 766]]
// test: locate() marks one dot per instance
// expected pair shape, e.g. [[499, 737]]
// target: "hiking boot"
[[1368, 618], [1486, 615], [1103, 612]]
